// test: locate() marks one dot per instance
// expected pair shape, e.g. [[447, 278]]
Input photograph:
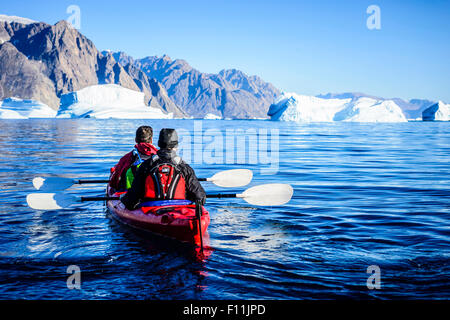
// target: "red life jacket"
[[165, 181]]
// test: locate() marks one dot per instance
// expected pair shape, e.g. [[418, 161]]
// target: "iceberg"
[[437, 112], [371, 110], [302, 108], [108, 101], [15, 108], [212, 116], [295, 107]]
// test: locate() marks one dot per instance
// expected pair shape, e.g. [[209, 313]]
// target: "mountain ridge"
[[59, 56], [56, 56], [42, 62], [228, 94]]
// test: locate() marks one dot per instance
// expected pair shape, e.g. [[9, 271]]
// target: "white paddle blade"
[[52, 183], [273, 194], [50, 201], [232, 178]]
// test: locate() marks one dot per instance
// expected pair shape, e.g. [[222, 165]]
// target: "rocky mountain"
[[155, 93], [24, 78], [161, 96], [43, 62], [121, 57], [228, 94]]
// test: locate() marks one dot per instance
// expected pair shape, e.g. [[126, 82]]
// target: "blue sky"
[[309, 47]]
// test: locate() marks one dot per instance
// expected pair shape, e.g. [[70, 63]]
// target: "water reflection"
[[364, 194]]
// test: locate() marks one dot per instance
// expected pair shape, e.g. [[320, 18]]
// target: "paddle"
[[55, 201], [274, 194], [231, 178], [227, 179], [60, 183], [198, 214]]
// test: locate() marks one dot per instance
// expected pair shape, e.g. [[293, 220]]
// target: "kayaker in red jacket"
[[165, 176], [142, 151]]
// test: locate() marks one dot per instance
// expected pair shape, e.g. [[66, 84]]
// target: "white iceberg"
[[295, 107], [15, 108], [108, 101], [371, 110], [437, 112], [212, 116], [302, 108]]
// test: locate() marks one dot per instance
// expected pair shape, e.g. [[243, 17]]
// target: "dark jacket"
[[135, 195]]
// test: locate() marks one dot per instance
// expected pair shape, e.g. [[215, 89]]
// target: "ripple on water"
[[365, 194]]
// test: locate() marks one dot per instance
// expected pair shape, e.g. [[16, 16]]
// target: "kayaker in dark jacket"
[[164, 176], [142, 151]]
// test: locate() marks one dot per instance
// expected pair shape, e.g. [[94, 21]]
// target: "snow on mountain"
[[108, 101], [302, 108], [437, 112], [14, 108], [9, 19]]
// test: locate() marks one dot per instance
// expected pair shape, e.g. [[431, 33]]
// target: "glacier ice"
[[303, 108], [212, 116], [108, 101], [437, 112], [15, 108]]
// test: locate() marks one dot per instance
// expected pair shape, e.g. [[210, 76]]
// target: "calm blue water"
[[365, 194]]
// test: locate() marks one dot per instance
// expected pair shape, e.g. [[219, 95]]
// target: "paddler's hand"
[[126, 202]]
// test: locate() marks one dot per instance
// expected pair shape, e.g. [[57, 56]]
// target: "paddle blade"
[[50, 201], [52, 183], [273, 194], [232, 178]]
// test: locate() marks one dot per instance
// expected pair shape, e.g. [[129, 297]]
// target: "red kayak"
[[172, 219]]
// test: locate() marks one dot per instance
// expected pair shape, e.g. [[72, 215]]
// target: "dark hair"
[[144, 134]]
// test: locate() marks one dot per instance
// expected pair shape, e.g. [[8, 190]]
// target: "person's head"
[[144, 134], [168, 139]]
